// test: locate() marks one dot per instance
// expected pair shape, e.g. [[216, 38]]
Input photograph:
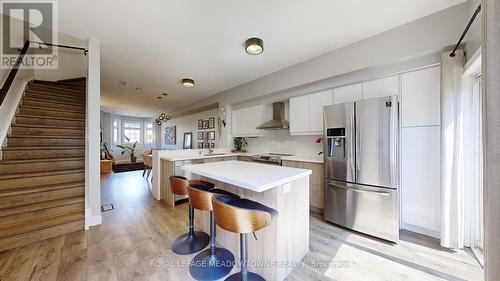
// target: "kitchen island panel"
[[280, 245]]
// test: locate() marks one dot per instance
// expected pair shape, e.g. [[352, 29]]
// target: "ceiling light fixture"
[[187, 82], [158, 97], [165, 94], [254, 46]]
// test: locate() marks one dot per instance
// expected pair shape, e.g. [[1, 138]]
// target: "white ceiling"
[[154, 44]]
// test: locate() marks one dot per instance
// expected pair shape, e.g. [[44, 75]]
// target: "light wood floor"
[[133, 244]]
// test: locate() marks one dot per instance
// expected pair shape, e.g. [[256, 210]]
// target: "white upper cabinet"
[[246, 120], [348, 93], [420, 97], [316, 103], [299, 115], [384, 87], [306, 113]]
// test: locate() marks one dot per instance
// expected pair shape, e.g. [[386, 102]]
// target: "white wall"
[[92, 149], [187, 124], [281, 142], [107, 136], [71, 65]]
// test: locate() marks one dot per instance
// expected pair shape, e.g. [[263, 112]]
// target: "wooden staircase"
[[42, 166]]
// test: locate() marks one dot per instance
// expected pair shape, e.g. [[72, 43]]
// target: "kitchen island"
[[281, 245]]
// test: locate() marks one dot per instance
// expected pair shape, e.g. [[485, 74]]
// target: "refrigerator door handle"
[[394, 142], [352, 145], [358, 146], [357, 189]]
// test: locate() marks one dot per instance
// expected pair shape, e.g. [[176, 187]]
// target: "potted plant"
[[239, 143], [129, 148]]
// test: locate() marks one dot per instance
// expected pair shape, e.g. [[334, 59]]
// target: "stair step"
[[55, 97], [78, 103], [47, 120], [23, 192], [52, 105], [34, 225], [40, 165], [43, 234], [42, 152], [26, 110], [41, 206], [4, 179], [21, 199], [56, 86], [23, 129], [48, 211]]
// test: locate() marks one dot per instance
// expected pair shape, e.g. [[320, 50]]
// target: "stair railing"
[[13, 72]]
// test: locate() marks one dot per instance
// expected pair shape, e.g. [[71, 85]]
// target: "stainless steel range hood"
[[278, 122]]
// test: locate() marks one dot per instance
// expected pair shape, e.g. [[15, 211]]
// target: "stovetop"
[[272, 158]]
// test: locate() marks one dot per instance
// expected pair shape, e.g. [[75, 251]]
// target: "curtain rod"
[[478, 9]]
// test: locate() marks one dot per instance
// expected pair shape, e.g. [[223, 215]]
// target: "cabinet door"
[[316, 103], [235, 119], [246, 120], [420, 179], [348, 93], [420, 97], [299, 115], [383, 87]]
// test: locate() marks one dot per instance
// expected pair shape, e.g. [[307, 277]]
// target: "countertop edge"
[[261, 188]]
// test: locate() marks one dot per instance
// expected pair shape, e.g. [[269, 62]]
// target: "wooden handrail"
[[13, 72]]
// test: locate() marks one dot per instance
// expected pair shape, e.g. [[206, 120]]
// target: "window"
[[148, 133], [132, 130], [116, 132]]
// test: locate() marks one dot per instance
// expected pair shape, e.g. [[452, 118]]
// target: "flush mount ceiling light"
[[187, 82], [254, 46], [165, 94]]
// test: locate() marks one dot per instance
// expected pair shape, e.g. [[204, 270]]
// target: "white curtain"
[[452, 151]]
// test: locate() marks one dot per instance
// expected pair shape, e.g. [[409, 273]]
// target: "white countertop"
[[249, 175], [180, 155], [302, 158]]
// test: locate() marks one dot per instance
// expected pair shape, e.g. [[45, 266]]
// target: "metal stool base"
[[250, 277], [186, 244], [207, 267]]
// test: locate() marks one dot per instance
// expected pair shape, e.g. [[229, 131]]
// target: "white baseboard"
[[421, 230], [91, 221]]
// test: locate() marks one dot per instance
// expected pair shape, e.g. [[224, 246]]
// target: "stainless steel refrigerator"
[[361, 166]]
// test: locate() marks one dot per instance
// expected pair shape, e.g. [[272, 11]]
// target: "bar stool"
[[215, 262], [193, 241], [242, 216]]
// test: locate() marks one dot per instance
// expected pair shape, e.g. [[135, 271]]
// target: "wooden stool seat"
[[193, 241], [242, 216], [215, 262]]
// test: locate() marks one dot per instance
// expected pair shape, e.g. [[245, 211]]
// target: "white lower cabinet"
[[246, 120], [421, 180]]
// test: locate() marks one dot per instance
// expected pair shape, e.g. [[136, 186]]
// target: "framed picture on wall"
[[200, 145], [212, 145], [211, 123], [211, 135], [205, 135], [205, 145], [200, 136], [200, 124], [205, 124]]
